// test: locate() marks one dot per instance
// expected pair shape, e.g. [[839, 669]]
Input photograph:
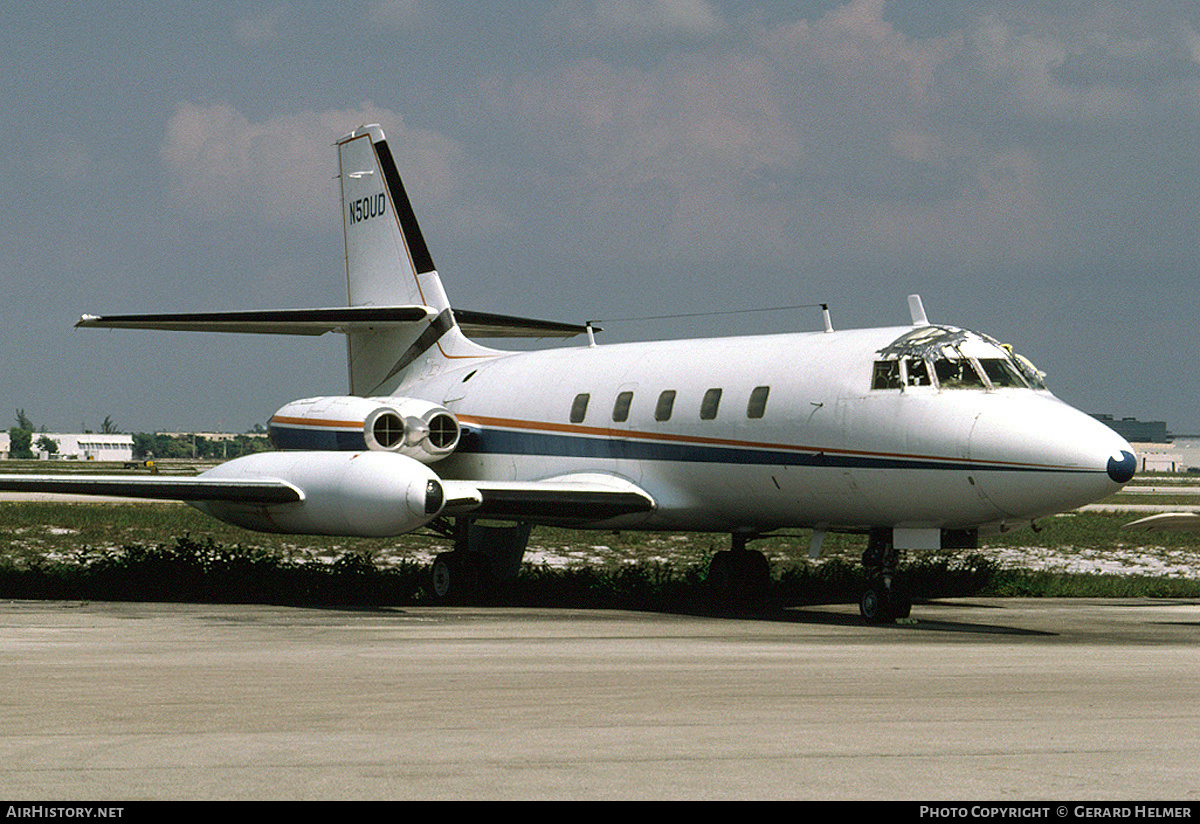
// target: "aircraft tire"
[[739, 576], [876, 605], [459, 577], [720, 576]]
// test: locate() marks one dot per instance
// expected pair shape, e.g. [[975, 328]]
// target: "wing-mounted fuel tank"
[[365, 494], [412, 427]]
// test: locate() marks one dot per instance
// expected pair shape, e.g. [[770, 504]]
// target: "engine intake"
[[418, 429]]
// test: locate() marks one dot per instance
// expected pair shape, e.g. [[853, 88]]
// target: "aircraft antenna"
[[824, 307]]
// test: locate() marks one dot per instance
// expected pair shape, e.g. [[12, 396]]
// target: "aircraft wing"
[[568, 500], [250, 490], [333, 319], [1167, 521]]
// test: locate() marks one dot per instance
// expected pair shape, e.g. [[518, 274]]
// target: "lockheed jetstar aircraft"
[[922, 437]]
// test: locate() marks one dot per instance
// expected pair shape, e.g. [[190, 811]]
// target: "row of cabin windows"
[[665, 405]]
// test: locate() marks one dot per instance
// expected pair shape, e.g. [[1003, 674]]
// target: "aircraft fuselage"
[[777, 431]]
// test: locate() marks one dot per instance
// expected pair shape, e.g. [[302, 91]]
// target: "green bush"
[[190, 570]]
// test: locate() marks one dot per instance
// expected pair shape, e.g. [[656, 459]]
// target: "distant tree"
[[108, 427], [23, 422], [48, 445], [143, 445], [20, 443]]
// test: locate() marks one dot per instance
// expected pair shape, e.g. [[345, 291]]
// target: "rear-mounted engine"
[[407, 426]]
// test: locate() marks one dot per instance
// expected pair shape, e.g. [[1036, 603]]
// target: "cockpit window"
[[949, 358], [957, 373], [918, 372], [895, 374], [1033, 376], [886, 375], [1001, 373]]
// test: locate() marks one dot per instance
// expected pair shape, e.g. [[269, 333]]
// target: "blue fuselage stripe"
[[491, 441], [477, 440], [318, 440]]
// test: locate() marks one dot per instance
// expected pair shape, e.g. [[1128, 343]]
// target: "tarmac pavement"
[[976, 699]]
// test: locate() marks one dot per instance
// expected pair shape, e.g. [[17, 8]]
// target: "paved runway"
[[980, 699]]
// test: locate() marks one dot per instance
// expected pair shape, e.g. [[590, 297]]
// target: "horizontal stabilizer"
[[335, 319], [270, 322], [250, 491], [487, 325], [568, 500]]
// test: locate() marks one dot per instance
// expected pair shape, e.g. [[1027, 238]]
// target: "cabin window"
[[957, 374], [666, 402], [1001, 373], [621, 407], [579, 407], [758, 402], [708, 406]]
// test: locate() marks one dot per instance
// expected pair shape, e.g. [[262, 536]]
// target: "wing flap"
[[569, 500], [253, 491]]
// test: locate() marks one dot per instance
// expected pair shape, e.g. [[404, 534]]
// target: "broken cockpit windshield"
[[950, 358]]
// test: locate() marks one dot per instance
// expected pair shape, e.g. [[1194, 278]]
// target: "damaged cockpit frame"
[[945, 357]]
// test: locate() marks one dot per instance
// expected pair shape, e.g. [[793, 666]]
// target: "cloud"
[[842, 138], [282, 171], [1019, 136], [261, 28], [640, 20], [1103, 68], [815, 140]]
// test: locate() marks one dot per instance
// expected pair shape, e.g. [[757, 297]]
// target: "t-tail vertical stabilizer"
[[387, 264]]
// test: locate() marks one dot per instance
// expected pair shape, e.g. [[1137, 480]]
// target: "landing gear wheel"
[[459, 577], [739, 576], [876, 606]]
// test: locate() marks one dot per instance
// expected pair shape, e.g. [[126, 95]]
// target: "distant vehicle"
[[921, 437]]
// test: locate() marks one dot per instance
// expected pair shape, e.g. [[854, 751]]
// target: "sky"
[[1032, 170]]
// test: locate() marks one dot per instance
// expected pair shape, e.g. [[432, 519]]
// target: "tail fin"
[[388, 264]]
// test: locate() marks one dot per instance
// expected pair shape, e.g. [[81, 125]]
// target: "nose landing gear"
[[884, 600]]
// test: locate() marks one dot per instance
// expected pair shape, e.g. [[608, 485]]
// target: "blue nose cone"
[[1122, 470]]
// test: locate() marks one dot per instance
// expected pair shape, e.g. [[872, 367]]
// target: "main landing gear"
[[483, 558], [738, 575], [884, 600]]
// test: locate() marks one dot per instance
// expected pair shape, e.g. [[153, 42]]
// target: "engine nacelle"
[[418, 429], [364, 494]]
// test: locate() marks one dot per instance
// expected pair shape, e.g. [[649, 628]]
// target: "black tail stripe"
[[440, 325], [422, 260]]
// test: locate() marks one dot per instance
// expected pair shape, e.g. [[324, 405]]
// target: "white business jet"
[[922, 437]]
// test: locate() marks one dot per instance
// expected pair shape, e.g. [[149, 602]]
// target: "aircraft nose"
[[1060, 457], [1121, 467]]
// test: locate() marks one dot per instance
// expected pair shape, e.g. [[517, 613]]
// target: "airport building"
[[1181, 455], [1135, 431], [88, 446]]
